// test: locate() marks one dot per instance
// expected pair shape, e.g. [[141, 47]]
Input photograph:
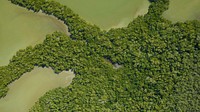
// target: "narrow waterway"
[[24, 92]]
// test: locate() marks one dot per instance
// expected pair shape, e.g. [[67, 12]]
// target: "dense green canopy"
[[150, 65]]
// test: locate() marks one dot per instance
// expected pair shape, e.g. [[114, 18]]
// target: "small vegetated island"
[[150, 65]]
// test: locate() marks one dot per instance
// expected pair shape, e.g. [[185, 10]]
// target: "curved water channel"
[[24, 92], [20, 28]]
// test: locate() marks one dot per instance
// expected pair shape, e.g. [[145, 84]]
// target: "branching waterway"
[[20, 28]]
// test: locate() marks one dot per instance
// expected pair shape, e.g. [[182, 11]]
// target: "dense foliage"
[[150, 65]]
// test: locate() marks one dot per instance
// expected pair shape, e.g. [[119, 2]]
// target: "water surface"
[[108, 13], [182, 10], [24, 92], [20, 28]]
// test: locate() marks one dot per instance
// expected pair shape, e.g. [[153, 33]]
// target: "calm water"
[[182, 10], [30, 87], [118, 13], [108, 13], [20, 28]]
